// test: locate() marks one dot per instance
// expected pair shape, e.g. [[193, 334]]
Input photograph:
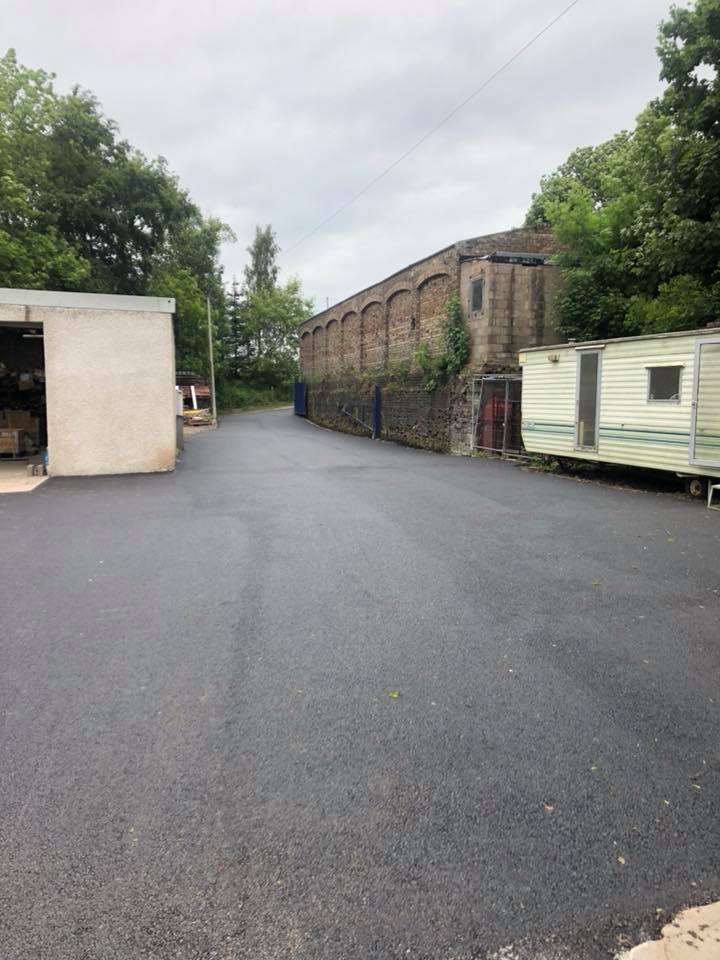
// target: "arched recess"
[[350, 339], [373, 335], [306, 354], [333, 346], [401, 326], [433, 294], [318, 351]]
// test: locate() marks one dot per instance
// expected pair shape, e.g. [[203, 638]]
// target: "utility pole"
[[213, 404]]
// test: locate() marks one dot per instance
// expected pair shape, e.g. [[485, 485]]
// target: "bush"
[[233, 395]]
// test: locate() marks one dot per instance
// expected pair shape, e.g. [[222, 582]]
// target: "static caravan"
[[651, 401]]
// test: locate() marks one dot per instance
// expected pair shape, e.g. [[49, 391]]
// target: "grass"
[[237, 397]]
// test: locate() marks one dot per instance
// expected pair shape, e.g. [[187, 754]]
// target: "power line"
[[426, 136]]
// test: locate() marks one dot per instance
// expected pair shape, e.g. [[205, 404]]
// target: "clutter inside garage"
[[23, 424]]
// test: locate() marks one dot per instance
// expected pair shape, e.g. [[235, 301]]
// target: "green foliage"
[[456, 337], [432, 366], [639, 216], [233, 395], [261, 273], [586, 166], [80, 209], [261, 336], [683, 303], [438, 369]]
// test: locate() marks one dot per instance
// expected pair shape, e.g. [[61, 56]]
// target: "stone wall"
[[412, 415], [516, 310], [385, 324]]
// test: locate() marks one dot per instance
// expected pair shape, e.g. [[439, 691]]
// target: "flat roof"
[[574, 344], [88, 301]]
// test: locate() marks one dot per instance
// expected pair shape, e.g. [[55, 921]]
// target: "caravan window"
[[664, 384]]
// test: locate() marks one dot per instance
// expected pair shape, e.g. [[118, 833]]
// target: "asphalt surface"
[[203, 756]]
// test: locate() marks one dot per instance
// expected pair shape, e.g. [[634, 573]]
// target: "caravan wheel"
[[696, 487]]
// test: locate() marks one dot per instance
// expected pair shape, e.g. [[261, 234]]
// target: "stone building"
[[505, 283]]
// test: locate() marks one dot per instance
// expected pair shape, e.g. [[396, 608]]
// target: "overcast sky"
[[279, 111]]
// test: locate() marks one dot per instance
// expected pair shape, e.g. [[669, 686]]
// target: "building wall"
[[386, 323], [110, 380], [516, 311], [632, 429]]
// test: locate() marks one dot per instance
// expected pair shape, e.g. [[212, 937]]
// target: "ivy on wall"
[[456, 352]]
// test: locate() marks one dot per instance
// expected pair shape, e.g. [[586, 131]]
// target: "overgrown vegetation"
[[439, 368], [639, 216]]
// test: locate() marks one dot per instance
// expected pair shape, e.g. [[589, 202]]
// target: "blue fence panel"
[[299, 399]]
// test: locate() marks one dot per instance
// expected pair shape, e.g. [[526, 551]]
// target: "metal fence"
[[496, 416]]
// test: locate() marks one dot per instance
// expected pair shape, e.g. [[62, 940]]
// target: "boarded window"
[[476, 295], [664, 383]]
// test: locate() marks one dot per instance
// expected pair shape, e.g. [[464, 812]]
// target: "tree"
[[261, 272], [33, 251], [80, 209], [261, 339], [274, 314], [639, 216], [238, 346], [586, 167]]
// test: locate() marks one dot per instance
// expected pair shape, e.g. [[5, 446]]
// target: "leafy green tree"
[[639, 216], [261, 273], [263, 316], [238, 347], [33, 251], [586, 167], [274, 314], [80, 209]]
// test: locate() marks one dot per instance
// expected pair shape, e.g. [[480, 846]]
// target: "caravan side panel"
[[548, 401], [633, 430]]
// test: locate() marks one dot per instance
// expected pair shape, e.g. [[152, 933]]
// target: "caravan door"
[[705, 420]]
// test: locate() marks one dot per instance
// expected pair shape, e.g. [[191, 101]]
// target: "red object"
[[493, 421]]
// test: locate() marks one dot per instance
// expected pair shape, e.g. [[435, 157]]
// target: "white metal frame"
[[693, 415], [578, 364]]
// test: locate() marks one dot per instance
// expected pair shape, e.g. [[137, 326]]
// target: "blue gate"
[[299, 399]]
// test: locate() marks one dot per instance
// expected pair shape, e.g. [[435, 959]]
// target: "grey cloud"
[[280, 111]]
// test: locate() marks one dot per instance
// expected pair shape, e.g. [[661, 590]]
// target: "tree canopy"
[[263, 315], [80, 209], [639, 216]]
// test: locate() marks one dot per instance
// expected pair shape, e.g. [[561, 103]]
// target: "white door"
[[705, 421]]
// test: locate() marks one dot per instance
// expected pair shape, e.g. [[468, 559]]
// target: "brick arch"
[[373, 337], [433, 293], [401, 325], [333, 346], [306, 354], [350, 339], [318, 351]]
